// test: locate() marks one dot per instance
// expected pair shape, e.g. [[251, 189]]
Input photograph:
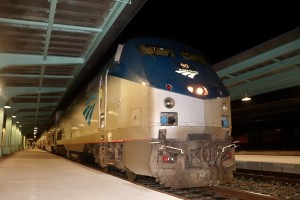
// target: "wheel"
[[130, 175], [68, 155], [105, 169]]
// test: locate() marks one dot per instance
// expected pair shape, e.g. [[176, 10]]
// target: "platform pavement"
[[268, 162], [34, 174]]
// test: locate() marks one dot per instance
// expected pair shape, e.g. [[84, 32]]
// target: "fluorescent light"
[[246, 98]]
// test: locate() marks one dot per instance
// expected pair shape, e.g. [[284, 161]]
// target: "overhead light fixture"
[[7, 107], [246, 98]]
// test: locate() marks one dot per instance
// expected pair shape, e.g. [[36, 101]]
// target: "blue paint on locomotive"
[[138, 67]]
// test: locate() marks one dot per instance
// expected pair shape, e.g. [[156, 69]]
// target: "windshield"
[[154, 50], [193, 57]]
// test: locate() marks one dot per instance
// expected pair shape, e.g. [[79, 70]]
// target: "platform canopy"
[[47, 45], [271, 66], [270, 74]]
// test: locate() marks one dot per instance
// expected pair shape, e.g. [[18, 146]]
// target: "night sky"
[[218, 29]]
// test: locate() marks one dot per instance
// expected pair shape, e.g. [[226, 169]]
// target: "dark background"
[[219, 30]]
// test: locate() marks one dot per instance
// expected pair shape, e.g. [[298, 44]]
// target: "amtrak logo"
[[187, 72], [88, 113], [89, 109]]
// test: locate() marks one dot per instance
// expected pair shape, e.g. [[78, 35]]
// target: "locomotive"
[[158, 109]]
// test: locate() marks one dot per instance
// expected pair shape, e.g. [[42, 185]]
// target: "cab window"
[[193, 57], [154, 50]]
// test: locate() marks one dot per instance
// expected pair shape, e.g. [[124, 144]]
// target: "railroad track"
[[214, 192], [268, 176], [224, 192]]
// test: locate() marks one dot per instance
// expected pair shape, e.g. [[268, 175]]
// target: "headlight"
[[169, 102], [191, 89], [224, 107], [198, 90]]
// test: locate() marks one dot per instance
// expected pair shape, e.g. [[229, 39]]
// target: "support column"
[[19, 139], [1, 130], [13, 137], [24, 142], [7, 138]]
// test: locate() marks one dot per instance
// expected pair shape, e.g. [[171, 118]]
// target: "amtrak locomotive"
[[156, 109]]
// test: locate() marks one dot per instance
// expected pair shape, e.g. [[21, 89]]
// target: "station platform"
[[273, 161], [34, 174]]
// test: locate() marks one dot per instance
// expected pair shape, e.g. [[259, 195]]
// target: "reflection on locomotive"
[[156, 109]]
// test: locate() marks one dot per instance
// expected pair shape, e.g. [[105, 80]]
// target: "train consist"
[[157, 109]]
